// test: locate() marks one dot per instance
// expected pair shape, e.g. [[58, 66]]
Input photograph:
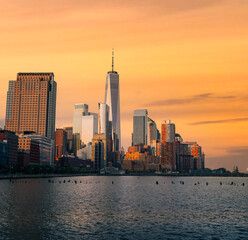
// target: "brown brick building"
[[60, 143]]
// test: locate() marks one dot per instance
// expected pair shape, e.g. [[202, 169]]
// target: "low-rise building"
[[31, 148], [46, 148], [12, 139], [4, 153]]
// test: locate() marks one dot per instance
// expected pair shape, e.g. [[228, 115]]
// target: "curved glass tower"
[[112, 99]]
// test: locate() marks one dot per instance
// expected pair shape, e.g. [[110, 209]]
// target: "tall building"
[[140, 126], [9, 102], [167, 131], [155, 147], [85, 123], [196, 150], [178, 142], [99, 151], [105, 127], [31, 104], [80, 110], [76, 143], [69, 139], [60, 143], [198, 155], [153, 133], [89, 127], [103, 119], [112, 99], [168, 151]]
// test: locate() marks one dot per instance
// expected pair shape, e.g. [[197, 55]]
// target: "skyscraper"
[[60, 143], [80, 110], [85, 123], [69, 139], [99, 151], [31, 104], [167, 131], [112, 99], [103, 119], [140, 126], [89, 127], [153, 133], [168, 154]]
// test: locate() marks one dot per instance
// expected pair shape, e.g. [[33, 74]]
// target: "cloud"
[[242, 150], [220, 121], [190, 99]]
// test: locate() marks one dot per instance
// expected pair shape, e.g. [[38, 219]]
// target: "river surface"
[[124, 207]]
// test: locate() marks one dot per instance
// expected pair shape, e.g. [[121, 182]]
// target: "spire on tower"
[[112, 59]]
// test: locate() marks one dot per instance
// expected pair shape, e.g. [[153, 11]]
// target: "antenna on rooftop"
[[112, 59]]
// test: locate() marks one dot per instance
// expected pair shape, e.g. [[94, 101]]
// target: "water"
[[130, 208]]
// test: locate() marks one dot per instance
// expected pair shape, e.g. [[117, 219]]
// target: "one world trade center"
[[112, 99]]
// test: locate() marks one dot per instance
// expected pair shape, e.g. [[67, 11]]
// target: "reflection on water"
[[124, 208]]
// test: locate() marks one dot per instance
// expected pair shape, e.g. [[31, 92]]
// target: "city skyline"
[[193, 74]]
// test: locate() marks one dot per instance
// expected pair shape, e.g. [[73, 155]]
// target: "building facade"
[[103, 124], [168, 150], [31, 149], [80, 110], [153, 132], [99, 151], [140, 126], [69, 139], [112, 99], [4, 154], [60, 143], [31, 104], [46, 147], [89, 127]]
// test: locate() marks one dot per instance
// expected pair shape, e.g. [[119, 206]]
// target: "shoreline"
[[7, 177]]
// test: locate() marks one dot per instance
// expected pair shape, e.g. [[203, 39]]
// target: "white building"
[[80, 110], [103, 119], [89, 127], [85, 152]]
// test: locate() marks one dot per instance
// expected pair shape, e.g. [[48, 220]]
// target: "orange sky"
[[184, 60]]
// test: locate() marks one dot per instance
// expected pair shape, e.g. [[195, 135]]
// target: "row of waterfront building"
[[149, 151], [94, 141]]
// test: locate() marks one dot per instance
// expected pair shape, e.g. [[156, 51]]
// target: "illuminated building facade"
[[168, 154], [31, 104], [60, 143], [80, 110]]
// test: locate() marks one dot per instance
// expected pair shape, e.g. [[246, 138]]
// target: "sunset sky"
[[183, 60]]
